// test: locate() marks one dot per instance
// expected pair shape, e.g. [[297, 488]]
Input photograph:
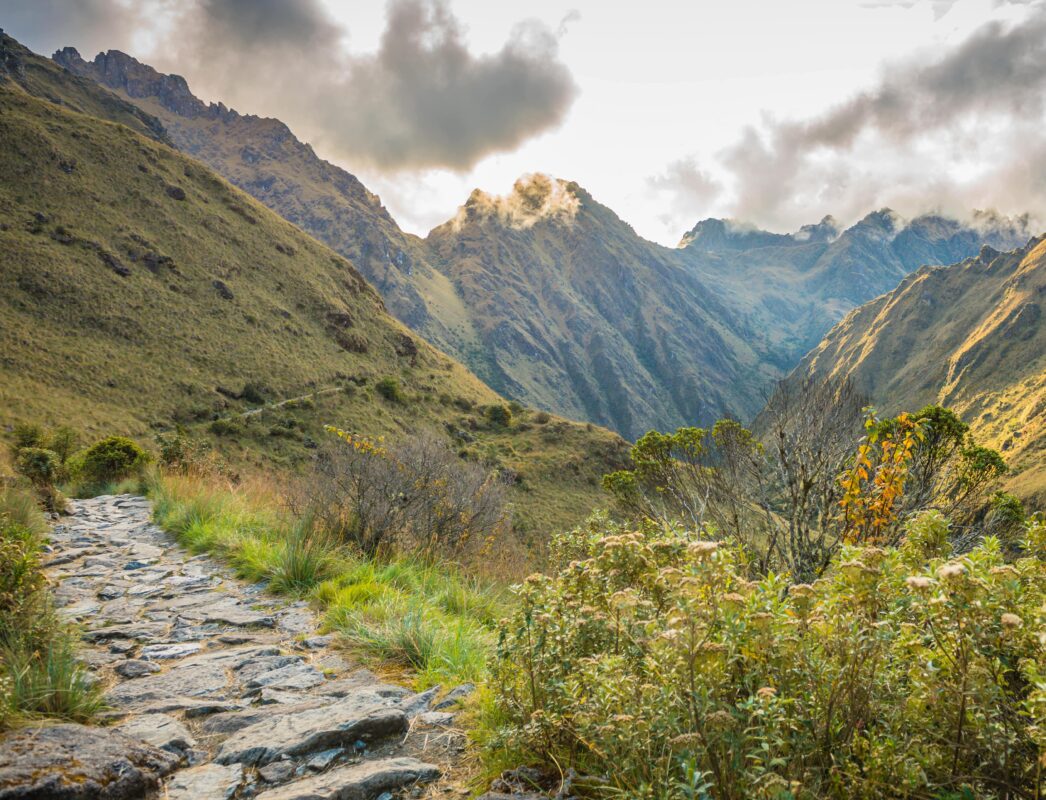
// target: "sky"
[[771, 113]]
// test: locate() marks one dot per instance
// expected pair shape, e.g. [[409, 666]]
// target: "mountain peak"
[[728, 235], [118, 70], [533, 198]]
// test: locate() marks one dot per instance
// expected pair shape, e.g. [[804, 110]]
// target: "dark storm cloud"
[[260, 23], [984, 99], [423, 99]]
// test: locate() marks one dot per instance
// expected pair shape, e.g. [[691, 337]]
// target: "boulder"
[[299, 733], [159, 730], [205, 782], [75, 762]]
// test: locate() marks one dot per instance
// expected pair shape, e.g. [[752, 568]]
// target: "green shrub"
[[649, 659], [42, 467], [498, 415], [389, 388], [63, 440], [111, 459], [28, 434], [253, 393], [226, 427]]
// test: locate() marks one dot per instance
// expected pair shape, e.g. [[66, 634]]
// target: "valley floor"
[[216, 690]]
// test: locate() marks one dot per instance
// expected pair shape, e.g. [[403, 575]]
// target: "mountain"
[[578, 312], [794, 287], [571, 310], [971, 336], [139, 290], [261, 156]]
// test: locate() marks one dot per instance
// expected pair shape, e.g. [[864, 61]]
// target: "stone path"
[[216, 689]]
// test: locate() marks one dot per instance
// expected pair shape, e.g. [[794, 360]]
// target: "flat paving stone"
[[357, 782]]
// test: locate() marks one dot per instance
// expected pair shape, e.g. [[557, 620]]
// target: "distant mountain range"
[[550, 297], [971, 336]]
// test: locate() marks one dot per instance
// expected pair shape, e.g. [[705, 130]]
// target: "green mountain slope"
[[139, 289], [971, 336], [261, 156]]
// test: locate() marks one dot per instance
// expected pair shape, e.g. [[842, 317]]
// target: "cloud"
[[686, 191], [422, 100], [956, 132]]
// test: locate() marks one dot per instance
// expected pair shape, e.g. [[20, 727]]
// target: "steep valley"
[[140, 291], [571, 310]]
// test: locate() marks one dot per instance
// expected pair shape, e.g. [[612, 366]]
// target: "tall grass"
[[422, 616], [40, 675]]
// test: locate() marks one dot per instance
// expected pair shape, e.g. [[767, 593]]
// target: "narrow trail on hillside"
[[216, 689]]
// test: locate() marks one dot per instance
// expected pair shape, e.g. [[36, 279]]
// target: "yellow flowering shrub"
[[647, 662]]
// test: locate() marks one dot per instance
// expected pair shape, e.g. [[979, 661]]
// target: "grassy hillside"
[[970, 336], [139, 290], [263, 157]]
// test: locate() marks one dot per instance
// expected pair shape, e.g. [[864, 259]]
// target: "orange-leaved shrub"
[[648, 662]]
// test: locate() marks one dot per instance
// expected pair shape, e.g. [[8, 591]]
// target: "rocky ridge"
[[216, 690]]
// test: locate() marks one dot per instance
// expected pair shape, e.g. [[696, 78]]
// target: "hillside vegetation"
[[970, 336], [140, 290]]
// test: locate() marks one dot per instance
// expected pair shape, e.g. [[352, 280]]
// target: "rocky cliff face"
[[578, 312], [971, 336]]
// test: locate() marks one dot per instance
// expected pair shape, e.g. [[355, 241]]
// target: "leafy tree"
[[821, 472]]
